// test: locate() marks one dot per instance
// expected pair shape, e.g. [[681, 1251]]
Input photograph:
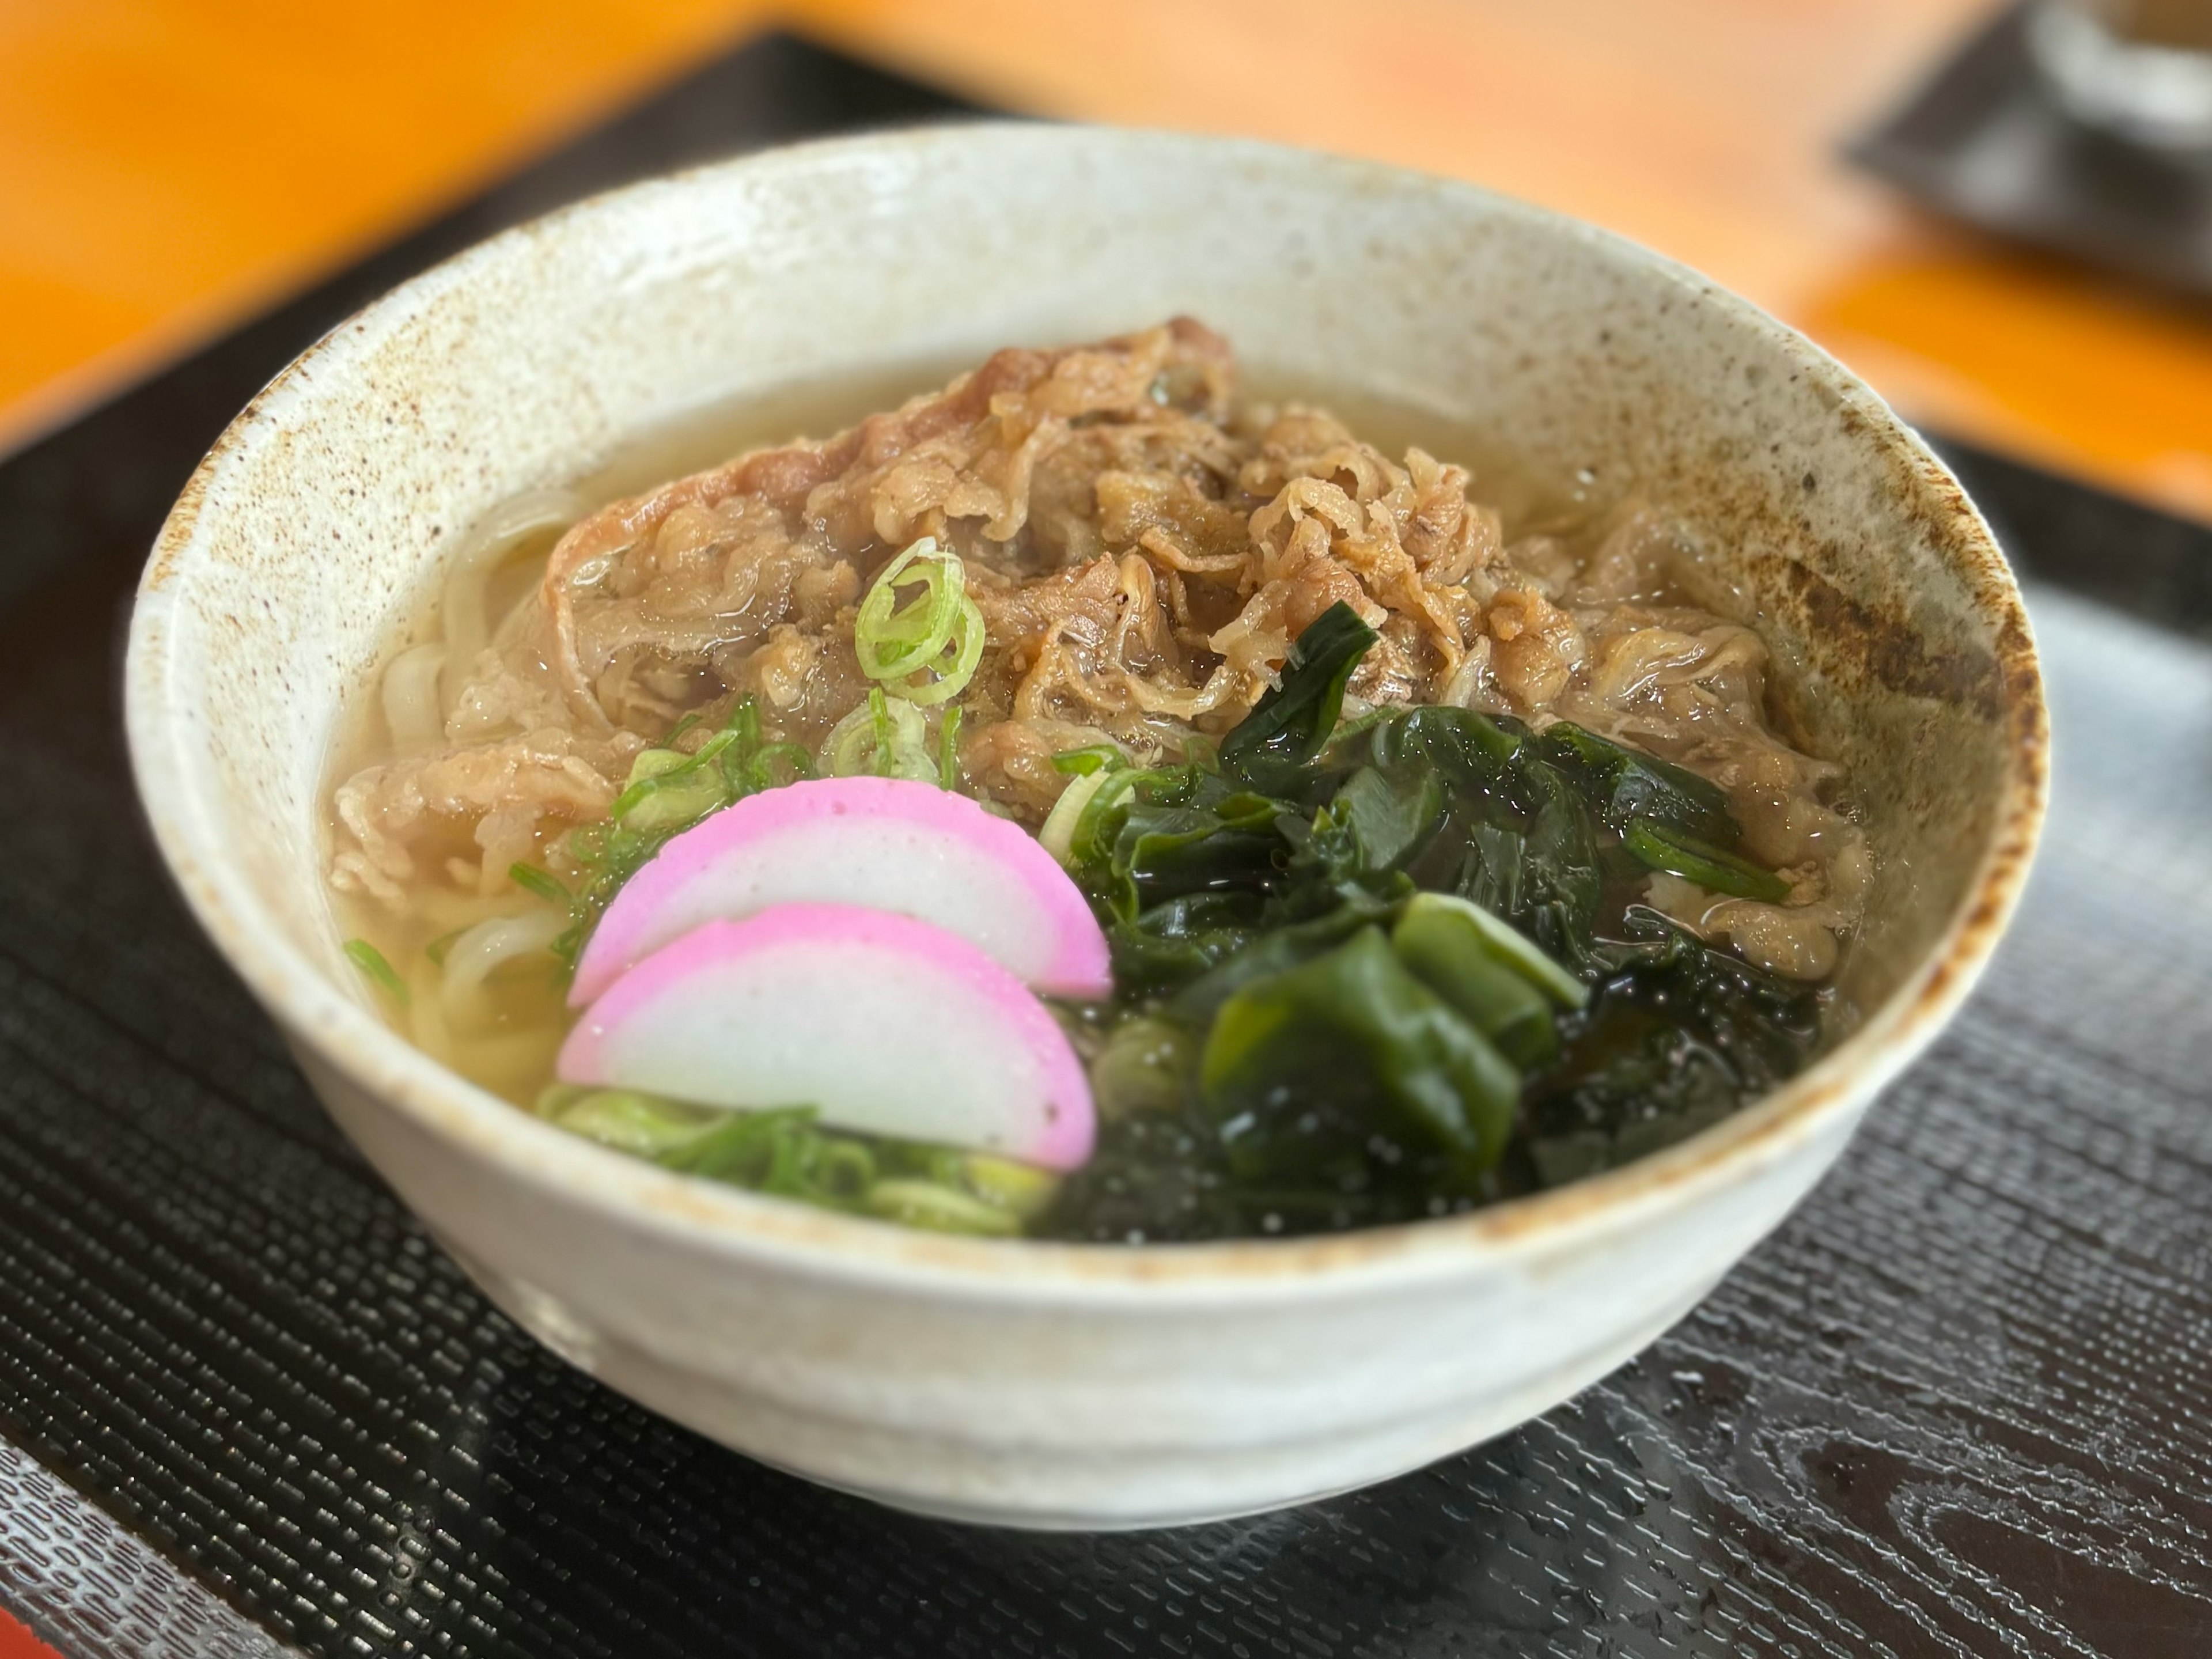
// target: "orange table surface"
[[167, 166]]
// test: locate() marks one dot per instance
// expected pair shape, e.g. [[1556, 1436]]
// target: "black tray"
[[1959, 1404]]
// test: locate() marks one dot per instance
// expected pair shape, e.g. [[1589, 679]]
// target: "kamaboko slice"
[[881, 843], [885, 1025]]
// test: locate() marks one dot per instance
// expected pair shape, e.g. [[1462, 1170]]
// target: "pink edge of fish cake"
[[1066, 1120], [1074, 963]]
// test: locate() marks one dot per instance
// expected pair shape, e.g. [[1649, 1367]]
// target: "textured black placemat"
[[1959, 1404], [1984, 139]]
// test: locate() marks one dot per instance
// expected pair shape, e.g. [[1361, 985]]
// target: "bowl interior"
[[1898, 642]]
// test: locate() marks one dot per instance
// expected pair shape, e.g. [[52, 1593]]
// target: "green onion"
[[1092, 757], [895, 639], [849, 750], [884, 728], [1145, 1066], [668, 788], [644, 1126], [940, 633], [1057, 833], [1699, 861], [795, 763], [436, 949], [845, 1170], [379, 972], [785, 1152], [953, 676], [743, 727], [940, 1209], [532, 879], [1023, 1189], [881, 737], [948, 751]]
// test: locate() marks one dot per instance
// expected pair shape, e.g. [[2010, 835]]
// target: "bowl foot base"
[[1051, 1488]]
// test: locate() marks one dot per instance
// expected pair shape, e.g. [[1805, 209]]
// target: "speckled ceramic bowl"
[[1033, 1384]]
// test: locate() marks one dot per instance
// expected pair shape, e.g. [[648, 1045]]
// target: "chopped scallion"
[[948, 751], [882, 737], [1092, 757], [940, 1209], [1058, 833], [789, 759], [536, 882], [939, 633], [1022, 1189], [379, 972], [1699, 861]]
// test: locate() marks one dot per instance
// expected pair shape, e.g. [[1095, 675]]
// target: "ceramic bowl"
[[1035, 1384]]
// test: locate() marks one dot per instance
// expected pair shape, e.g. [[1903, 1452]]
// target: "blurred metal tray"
[[1961, 1403]]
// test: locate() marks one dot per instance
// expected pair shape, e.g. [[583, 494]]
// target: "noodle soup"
[[1386, 838]]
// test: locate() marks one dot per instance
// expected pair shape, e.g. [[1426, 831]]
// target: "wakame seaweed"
[[1271, 746], [1332, 1009]]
